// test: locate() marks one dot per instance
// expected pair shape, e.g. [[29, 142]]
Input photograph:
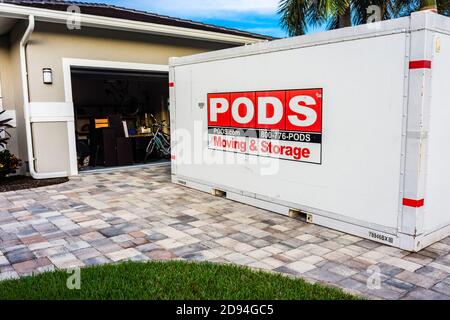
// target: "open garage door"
[[117, 115]]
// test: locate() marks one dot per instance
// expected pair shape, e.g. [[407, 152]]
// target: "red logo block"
[[291, 110], [219, 113], [243, 113]]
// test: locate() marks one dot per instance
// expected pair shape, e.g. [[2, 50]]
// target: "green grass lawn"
[[168, 281]]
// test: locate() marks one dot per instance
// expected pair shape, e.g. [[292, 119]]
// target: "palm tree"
[[441, 6], [298, 15]]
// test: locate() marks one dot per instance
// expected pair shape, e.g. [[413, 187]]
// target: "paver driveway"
[[138, 214]]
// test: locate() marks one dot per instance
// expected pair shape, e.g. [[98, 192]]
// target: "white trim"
[[47, 15], [73, 163], [68, 63], [51, 110]]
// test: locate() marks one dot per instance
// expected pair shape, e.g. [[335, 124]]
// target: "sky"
[[258, 16]]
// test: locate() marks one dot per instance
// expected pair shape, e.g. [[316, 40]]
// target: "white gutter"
[[87, 20], [26, 105]]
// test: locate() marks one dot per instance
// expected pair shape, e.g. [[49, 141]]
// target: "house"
[[71, 70]]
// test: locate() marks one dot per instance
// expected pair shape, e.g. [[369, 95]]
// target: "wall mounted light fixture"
[[47, 75]]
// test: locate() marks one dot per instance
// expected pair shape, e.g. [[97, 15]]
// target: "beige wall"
[[5, 73], [51, 43], [51, 150]]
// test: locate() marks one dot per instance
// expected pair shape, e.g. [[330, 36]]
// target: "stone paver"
[[139, 215]]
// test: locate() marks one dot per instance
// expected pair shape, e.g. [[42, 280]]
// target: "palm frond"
[[298, 15], [295, 16]]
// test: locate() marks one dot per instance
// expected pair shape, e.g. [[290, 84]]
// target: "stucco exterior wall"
[[51, 43], [5, 73], [51, 147]]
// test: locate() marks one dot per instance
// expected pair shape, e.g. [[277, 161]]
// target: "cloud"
[[208, 8], [250, 15]]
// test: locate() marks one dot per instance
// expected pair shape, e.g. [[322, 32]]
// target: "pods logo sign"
[[284, 124]]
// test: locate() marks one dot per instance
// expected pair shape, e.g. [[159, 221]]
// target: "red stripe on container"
[[171, 84], [413, 203], [420, 64]]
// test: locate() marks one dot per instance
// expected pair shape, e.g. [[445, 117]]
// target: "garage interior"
[[117, 114]]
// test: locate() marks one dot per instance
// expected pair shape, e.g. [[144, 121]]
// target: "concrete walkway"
[[138, 214]]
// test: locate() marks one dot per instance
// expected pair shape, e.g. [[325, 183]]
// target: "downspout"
[[26, 105]]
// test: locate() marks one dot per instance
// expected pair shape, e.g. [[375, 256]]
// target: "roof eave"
[[53, 16]]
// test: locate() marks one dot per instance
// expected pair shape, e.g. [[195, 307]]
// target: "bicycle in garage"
[[160, 141]]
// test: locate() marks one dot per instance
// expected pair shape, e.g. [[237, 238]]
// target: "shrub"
[[8, 163]]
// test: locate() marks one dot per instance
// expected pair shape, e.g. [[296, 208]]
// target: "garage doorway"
[[117, 113]]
